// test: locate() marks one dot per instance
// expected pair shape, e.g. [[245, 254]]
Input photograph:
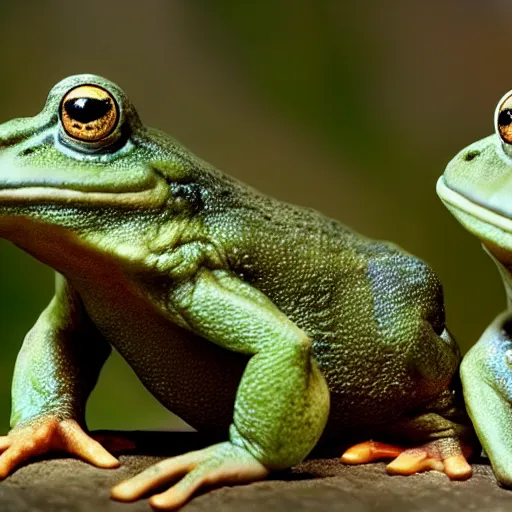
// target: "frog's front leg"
[[282, 401], [56, 369], [486, 373]]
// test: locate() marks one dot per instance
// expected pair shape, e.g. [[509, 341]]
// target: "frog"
[[268, 325], [476, 189]]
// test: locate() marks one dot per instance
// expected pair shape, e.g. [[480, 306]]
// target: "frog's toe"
[[50, 434], [414, 461], [370, 451], [223, 463], [457, 467], [445, 455]]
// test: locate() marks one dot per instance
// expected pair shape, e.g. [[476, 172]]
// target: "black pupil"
[[86, 110], [505, 117]]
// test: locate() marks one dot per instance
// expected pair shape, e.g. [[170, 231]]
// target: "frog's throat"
[[456, 201], [153, 197]]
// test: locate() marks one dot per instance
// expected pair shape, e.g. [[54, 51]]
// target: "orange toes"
[[457, 467], [408, 463], [370, 451], [447, 455]]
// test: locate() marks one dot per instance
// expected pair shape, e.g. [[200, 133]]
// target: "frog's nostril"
[[471, 155]]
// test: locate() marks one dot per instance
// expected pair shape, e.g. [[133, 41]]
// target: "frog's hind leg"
[[447, 455]]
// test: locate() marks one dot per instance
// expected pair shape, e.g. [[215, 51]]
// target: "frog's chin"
[[489, 226]]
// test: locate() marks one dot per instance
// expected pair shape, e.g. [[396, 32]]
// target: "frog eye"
[[89, 113], [503, 118]]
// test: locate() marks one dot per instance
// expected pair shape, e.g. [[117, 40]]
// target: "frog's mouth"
[[149, 198], [32, 186], [480, 212]]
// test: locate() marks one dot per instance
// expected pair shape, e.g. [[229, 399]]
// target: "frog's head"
[[477, 185], [87, 165]]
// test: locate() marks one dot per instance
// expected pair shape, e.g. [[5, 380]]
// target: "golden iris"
[[505, 119], [89, 113]]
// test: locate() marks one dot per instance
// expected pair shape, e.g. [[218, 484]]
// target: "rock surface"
[[67, 485]]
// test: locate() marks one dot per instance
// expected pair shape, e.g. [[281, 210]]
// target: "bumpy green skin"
[[477, 188], [236, 311]]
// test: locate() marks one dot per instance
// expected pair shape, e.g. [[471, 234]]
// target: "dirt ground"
[[66, 485]]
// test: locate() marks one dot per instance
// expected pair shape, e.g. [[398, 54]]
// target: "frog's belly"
[[192, 377]]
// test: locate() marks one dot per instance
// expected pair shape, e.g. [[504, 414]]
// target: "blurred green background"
[[350, 107]]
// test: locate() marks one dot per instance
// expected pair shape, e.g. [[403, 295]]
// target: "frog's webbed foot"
[[446, 455], [51, 435], [223, 463]]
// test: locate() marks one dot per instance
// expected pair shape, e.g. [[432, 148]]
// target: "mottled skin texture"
[[238, 312], [477, 188]]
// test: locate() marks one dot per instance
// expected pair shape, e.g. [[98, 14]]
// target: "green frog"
[[264, 323], [477, 188]]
